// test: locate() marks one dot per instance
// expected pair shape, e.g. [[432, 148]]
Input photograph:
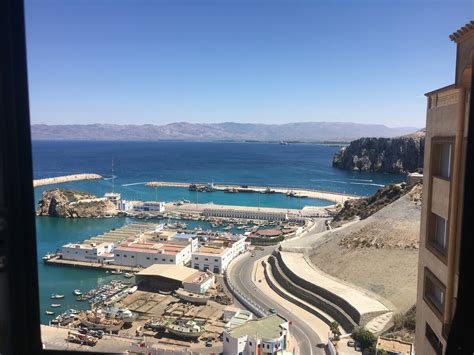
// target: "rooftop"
[[210, 250], [174, 272], [267, 327], [396, 346], [462, 32]]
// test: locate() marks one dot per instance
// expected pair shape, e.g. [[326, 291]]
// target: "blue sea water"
[[294, 165]]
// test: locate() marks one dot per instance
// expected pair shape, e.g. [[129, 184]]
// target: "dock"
[[66, 178], [335, 197]]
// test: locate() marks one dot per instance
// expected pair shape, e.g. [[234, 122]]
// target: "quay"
[[90, 265], [335, 197], [66, 178]]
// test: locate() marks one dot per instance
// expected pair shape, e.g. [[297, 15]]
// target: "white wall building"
[[144, 254], [91, 252], [147, 206], [212, 259], [199, 282], [268, 335]]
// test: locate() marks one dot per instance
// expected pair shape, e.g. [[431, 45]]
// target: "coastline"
[[65, 178]]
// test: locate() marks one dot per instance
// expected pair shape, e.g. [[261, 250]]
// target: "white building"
[[88, 252], [199, 282], [144, 254], [212, 258], [268, 335], [234, 241], [147, 206], [114, 197]]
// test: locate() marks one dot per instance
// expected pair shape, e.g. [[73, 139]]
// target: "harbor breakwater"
[[66, 178]]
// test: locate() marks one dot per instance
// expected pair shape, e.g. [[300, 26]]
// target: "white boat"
[[56, 296], [49, 313], [132, 289], [128, 275], [55, 305], [77, 292], [116, 272]]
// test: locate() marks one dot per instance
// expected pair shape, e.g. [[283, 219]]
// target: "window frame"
[[429, 275]]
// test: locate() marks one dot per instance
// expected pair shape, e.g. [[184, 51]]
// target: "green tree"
[[365, 337], [334, 328]]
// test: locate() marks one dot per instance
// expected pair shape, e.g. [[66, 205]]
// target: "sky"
[[203, 61]]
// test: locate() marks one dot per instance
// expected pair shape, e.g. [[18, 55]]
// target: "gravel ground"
[[379, 254]]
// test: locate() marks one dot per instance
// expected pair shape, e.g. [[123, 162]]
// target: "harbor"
[[66, 178], [334, 197]]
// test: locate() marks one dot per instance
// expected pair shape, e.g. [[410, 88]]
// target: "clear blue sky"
[[114, 61]]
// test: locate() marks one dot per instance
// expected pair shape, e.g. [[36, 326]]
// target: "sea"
[[127, 166]]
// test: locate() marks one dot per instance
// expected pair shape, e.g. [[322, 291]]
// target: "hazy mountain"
[[300, 131]]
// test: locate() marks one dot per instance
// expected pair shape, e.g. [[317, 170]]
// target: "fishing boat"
[[128, 275], [194, 298], [49, 313], [55, 305], [123, 314], [189, 330], [56, 296], [77, 292], [97, 320]]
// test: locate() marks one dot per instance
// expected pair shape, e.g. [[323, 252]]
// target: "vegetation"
[[334, 328], [365, 337], [405, 321]]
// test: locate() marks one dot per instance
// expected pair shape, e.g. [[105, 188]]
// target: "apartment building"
[[444, 166]]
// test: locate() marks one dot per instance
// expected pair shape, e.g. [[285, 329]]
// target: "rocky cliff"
[[74, 204], [399, 155]]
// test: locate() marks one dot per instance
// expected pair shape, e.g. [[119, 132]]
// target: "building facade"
[[268, 335], [212, 259], [443, 181], [87, 252]]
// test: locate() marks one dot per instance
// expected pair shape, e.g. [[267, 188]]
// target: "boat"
[[116, 272], [55, 305], [49, 256], [77, 292], [123, 314], [132, 289], [49, 313], [56, 296], [128, 275], [191, 297], [97, 320], [188, 330]]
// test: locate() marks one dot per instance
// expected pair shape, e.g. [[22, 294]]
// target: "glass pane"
[[440, 232], [445, 161]]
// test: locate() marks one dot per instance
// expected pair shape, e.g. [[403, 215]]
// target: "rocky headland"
[[400, 155], [74, 204]]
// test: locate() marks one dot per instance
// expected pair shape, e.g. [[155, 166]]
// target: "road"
[[241, 277]]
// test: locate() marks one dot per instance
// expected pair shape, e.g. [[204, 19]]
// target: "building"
[[172, 277], [268, 335], [234, 241], [138, 253], [395, 347], [215, 259], [147, 206], [87, 252], [235, 316], [113, 197], [253, 214], [440, 232]]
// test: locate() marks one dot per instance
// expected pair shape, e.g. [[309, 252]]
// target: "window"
[[117, 254], [434, 293], [156, 258], [226, 339], [147, 258], [133, 256], [441, 160], [433, 340], [438, 233]]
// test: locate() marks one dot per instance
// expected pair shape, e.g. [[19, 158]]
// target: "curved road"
[[241, 277]]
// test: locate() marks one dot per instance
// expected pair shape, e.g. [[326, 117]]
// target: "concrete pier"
[[66, 178], [297, 192]]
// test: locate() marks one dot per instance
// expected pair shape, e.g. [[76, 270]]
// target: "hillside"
[[378, 253], [399, 155], [74, 204], [230, 131]]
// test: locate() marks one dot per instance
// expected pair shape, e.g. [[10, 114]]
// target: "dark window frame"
[[428, 276]]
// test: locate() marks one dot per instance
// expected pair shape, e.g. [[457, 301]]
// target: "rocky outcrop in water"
[[399, 155], [74, 204]]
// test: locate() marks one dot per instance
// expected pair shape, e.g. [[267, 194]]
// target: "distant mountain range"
[[227, 131]]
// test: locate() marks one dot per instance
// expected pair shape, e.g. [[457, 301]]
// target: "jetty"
[[335, 197], [66, 178]]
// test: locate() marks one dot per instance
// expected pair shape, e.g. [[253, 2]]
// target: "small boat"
[[56, 296], [48, 256], [128, 275], [188, 330], [116, 272], [49, 313], [77, 292], [132, 289], [55, 305]]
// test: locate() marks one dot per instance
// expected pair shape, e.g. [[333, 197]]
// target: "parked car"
[[272, 310], [357, 347], [350, 342]]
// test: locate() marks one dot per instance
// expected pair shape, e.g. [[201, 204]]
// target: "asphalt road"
[[241, 277]]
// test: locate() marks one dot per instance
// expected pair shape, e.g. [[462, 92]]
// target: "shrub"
[[365, 337]]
